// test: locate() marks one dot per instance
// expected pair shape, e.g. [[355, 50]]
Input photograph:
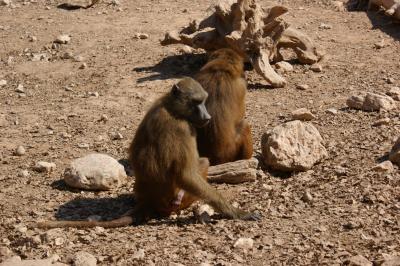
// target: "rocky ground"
[[63, 101]]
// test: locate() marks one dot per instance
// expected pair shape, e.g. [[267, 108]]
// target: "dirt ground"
[[58, 118]]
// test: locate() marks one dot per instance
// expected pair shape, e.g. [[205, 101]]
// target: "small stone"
[[20, 151], [67, 55], [139, 255], [358, 261], [116, 136], [379, 45], [46, 167], [307, 197], [371, 102], [390, 80], [65, 135], [332, 111], [244, 243], [5, 2], [24, 173], [381, 122], [83, 258], [316, 68], [203, 213], [63, 39], [302, 87], [83, 66], [284, 66], [302, 114], [103, 118], [21, 228], [3, 82], [141, 36], [39, 57], [20, 88], [394, 93], [95, 172], [340, 171], [339, 6], [386, 167], [94, 94], [32, 38], [79, 58], [59, 241], [324, 26]]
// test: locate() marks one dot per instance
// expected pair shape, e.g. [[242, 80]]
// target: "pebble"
[[116, 136], [67, 55], [385, 166], [5, 2], [302, 87], [3, 82], [83, 66], [63, 39], [325, 26], [59, 241], [24, 173], [20, 88], [103, 118], [307, 197], [141, 36], [303, 114], [21, 228], [394, 92], [244, 243], [379, 45], [316, 68], [83, 258], [390, 80], [139, 254], [284, 66], [42, 166], [340, 171], [32, 38], [203, 213], [381, 122], [79, 58], [93, 94], [332, 111], [20, 151]]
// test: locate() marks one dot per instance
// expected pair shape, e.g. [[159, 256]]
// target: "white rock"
[[20, 88], [394, 155], [83, 258], [63, 39], [284, 66], [20, 150], [59, 241], [116, 136], [325, 26], [394, 92], [95, 172], [244, 243], [302, 114], [293, 146], [3, 82], [139, 254], [16, 261], [302, 87], [203, 213], [385, 166], [332, 111], [358, 261], [42, 166], [371, 102], [24, 173]]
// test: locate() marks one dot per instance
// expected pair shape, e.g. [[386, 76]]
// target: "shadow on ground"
[[175, 66]]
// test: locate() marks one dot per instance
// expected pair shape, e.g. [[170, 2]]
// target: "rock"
[[141, 36], [59, 241], [79, 58], [324, 26], [16, 261], [316, 68], [20, 88], [371, 102], [307, 197], [293, 146], [302, 114], [95, 172], [203, 213], [388, 260], [139, 255], [116, 136], [63, 39], [381, 122], [302, 87], [67, 55], [186, 49], [284, 66], [385, 166], [3, 82], [340, 170], [42, 166], [380, 45], [332, 111], [5, 2], [358, 261], [390, 80], [93, 94], [20, 150], [394, 155], [24, 173], [5, 252], [83, 258], [32, 38], [339, 6], [83, 66], [244, 243], [394, 93]]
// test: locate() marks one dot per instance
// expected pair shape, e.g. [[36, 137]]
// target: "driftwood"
[[256, 33], [233, 172], [391, 7]]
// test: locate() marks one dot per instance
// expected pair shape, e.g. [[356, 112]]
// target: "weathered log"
[[255, 33], [233, 172]]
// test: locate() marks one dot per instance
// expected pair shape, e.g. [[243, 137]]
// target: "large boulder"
[[95, 172], [293, 146]]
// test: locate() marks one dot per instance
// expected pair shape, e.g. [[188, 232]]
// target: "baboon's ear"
[[176, 91]]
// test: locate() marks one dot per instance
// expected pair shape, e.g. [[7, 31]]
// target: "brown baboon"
[[228, 136], [169, 173]]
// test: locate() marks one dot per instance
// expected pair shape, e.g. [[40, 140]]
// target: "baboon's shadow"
[[106, 208], [175, 66]]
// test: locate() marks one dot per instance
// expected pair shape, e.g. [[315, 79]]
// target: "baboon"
[[169, 175], [228, 136]]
